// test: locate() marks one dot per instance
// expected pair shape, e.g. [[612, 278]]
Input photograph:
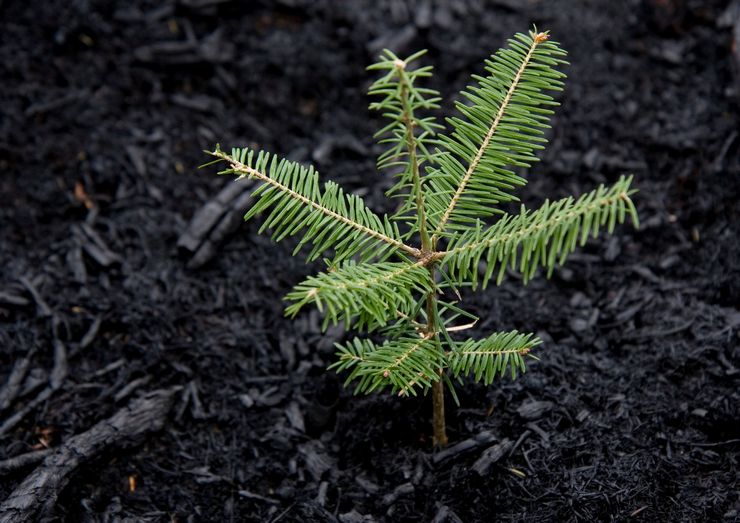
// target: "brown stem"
[[427, 256], [438, 395], [438, 391]]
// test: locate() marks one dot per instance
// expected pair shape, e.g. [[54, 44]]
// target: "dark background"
[[632, 412]]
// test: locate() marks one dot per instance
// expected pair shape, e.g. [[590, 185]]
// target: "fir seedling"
[[393, 275]]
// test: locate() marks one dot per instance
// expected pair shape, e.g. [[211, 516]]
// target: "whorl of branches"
[[449, 184]]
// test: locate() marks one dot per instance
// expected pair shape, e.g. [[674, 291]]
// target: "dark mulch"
[[632, 413]]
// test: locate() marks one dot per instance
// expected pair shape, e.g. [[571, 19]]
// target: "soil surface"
[[632, 412]]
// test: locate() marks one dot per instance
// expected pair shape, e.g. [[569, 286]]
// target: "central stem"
[[438, 391], [427, 247]]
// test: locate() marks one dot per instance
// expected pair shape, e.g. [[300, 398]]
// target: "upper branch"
[[501, 127], [484, 145], [408, 135], [410, 125]]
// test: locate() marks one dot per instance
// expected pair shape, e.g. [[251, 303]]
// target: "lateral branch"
[[245, 170]]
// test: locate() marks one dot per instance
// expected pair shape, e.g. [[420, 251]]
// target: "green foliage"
[[402, 100], [545, 237], [369, 294], [449, 184], [403, 364], [485, 358], [327, 220], [501, 128]]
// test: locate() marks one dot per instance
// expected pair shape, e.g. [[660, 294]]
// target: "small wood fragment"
[[491, 456], [532, 410], [476, 441], [401, 490]]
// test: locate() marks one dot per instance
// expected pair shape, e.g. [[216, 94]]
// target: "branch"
[[372, 293], [279, 175], [412, 145], [476, 160], [502, 128], [543, 237], [407, 135], [403, 364], [490, 356]]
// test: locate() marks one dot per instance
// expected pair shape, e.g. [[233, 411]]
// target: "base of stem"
[[440, 430]]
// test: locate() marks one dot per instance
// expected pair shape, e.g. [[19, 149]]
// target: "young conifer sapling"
[[393, 275]]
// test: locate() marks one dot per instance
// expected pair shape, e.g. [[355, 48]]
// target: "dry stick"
[[61, 366], [88, 338], [56, 380], [16, 418], [36, 496], [58, 373], [130, 388], [42, 309]]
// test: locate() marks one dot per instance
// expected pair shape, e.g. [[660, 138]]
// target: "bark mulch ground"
[[148, 371]]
